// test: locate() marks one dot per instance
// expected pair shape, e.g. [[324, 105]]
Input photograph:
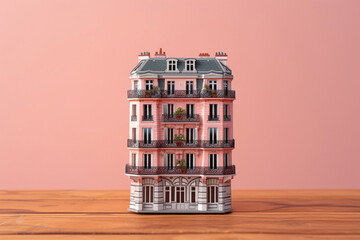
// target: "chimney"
[[222, 57], [143, 55], [204, 55], [160, 54]]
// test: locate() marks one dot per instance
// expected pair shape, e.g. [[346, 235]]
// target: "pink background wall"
[[64, 69]]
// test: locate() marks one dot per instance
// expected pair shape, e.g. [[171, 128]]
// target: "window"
[[133, 160], [148, 194], [191, 135], [170, 195], [213, 161], [213, 112], [172, 65], [169, 135], [168, 110], [212, 85], [193, 195], [149, 84], [212, 194], [133, 112], [189, 87], [147, 135], [167, 194], [133, 134], [147, 112], [226, 85], [226, 135], [190, 160], [171, 87], [190, 65], [136, 85], [147, 161], [213, 135], [180, 194], [169, 160], [226, 160], [226, 112], [190, 110]]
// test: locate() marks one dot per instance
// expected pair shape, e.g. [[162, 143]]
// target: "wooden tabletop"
[[290, 214]]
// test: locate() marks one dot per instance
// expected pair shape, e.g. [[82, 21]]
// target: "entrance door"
[[180, 198]]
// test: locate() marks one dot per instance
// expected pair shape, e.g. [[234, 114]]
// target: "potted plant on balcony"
[[179, 139], [213, 93], [154, 91], [147, 93], [179, 112], [181, 164]]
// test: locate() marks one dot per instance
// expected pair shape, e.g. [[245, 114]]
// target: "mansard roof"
[[202, 66]]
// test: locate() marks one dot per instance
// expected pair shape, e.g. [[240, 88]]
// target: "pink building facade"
[[181, 134]]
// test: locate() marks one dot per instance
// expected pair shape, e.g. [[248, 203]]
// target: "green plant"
[[179, 137], [181, 163], [206, 88], [154, 90], [180, 111]]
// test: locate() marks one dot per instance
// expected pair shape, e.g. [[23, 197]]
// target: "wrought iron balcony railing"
[[133, 117], [181, 144], [180, 118], [227, 118], [147, 118], [213, 118], [181, 94], [157, 170]]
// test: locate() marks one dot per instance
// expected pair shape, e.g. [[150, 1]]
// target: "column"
[[137, 194], [202, 195], [158, 195], [222, 195]]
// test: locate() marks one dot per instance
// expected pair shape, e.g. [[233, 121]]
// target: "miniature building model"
[[181, 134]]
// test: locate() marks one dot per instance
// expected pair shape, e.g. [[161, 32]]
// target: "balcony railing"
[[147, 118], [157, 170], [181, 94], [213, 118], [133, 117], [227, 118], [180, 118], [181, 144]]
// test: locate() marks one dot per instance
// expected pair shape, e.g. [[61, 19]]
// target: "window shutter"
[[165, 108], [166, 133]]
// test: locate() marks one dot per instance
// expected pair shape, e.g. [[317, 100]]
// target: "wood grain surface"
[[282, 214]]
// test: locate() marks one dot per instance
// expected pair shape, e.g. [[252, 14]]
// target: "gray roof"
[[202, 65]]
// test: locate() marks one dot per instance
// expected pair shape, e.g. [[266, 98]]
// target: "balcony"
[[181, 94], [181, 144], [227, 118], [158, 170], [133, 118], [147, 118], [213, 118], [180, 118]]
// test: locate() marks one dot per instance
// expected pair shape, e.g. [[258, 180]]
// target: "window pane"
[[172, 193], [208, 194], [151, 194]]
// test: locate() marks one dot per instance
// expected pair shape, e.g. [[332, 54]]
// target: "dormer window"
[[172, 65], [190, 65]]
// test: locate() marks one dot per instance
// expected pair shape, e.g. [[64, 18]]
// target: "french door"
[[147, 135]]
